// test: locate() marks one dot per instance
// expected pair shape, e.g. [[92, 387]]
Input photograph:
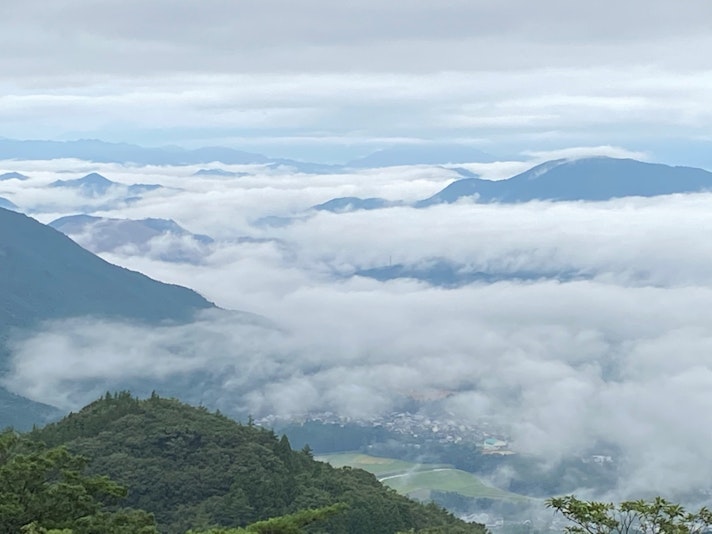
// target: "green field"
[[419, 480]]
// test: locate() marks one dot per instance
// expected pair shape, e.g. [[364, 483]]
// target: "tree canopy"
[[45, 489], [198, 470], [640, 517]]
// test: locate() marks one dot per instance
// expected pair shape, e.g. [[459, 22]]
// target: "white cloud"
[[584, 152], [561, 365], [516, 74], [620, 357], [507, 111], [216, 35]]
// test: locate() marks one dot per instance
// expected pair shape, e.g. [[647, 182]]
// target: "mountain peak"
[[543, 168], [93, 183], [12, 176], [94, 178], [593, 179]]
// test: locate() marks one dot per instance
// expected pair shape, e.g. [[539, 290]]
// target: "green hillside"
[[193, 469]]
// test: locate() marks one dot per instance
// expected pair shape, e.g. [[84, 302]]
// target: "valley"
[[357, 267], [431, 398], [420, 480]]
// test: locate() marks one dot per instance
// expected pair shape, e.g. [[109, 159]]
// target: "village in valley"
[[416, 427]]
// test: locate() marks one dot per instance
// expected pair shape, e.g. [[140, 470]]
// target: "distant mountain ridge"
[[106, 152], [346, 204], [77, 223], [95, 185], [101, 234], [422, 154], [12, 176], [220, 173], [587, 179], [21, 413], [444, 273], [98, 151]]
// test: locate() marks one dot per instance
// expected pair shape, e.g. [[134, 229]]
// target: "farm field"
[[419, 480]]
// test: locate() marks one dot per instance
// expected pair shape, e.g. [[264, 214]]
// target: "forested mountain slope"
[[45, 275], [195, 469]]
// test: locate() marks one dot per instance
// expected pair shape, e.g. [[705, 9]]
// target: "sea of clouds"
[[620, 352]]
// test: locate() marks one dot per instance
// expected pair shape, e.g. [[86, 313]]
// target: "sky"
[[329, 81]]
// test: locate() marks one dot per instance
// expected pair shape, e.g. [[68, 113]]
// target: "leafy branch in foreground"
[[45, 490], [640, 517]]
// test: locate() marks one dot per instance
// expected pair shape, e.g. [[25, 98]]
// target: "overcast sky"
[[328, 80]]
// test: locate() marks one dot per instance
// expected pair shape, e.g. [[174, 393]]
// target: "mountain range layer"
[[44, 275], [591, 179]]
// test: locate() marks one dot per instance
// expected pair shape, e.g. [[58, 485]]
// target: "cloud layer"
[[329, 81], [219, 35], [620, 355]]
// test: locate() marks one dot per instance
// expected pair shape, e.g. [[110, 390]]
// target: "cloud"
[[515, 74], [619, 356], [583, 152], [504, 111], [104, 354], [316, 35], [558, 365]]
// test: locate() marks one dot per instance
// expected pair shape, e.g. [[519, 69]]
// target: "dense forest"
[[127, 465]]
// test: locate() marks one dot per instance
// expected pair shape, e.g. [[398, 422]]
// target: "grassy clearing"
[[381, 467], [418, 480]]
